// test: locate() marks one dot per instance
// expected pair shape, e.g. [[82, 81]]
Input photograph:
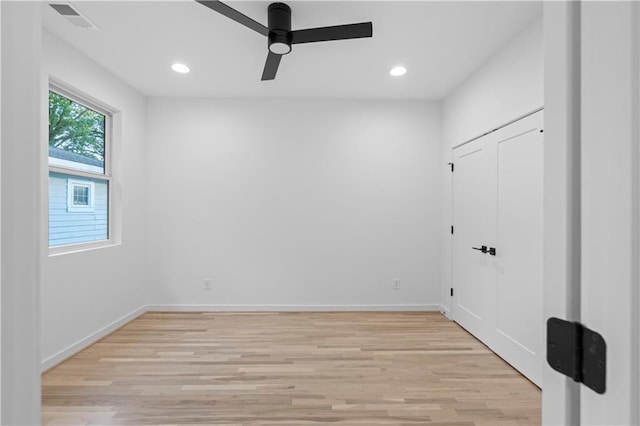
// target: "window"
[[79, 170], [80, 195]]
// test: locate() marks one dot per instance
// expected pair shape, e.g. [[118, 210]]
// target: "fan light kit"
[[279, 34], [180, 68], [398, 71]]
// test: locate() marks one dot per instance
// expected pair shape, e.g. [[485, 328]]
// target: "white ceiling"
[[440, 43]]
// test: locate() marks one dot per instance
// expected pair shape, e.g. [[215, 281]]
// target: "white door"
[[519, 321], [497, 203], [610, 116], [473, 274]]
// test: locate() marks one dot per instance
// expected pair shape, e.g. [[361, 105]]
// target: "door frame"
[[562, 221]]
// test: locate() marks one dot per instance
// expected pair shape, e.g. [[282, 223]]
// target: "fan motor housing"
[[279, 38]]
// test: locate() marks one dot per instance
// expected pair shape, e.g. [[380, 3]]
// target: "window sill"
[[81, 247]]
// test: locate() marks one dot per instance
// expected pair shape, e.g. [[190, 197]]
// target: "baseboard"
[[90, 339], [445, 311], [291, 308]]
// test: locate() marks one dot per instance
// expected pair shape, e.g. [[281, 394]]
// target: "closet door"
[[497, 202], [473, 274], [519, 322]]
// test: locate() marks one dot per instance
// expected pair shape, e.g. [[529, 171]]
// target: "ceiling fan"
[[279, 34]]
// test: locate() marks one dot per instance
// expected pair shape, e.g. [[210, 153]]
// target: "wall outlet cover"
[[207, 284]]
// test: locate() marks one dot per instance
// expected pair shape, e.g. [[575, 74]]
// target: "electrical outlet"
[[396, 284], [207, 284]]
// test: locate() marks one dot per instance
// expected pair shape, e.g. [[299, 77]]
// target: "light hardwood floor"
[[367, 368]]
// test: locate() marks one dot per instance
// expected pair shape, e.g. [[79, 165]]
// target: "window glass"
[[76, 135], [80, 195], [78, 178], [81, 218]]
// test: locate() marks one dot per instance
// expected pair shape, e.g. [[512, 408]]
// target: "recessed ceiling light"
[[398, 71], [181, 68]]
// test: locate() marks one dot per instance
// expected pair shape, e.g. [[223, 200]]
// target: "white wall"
[[21, 230], [509, 85], [84, 293], [294, 204], [37, 337]]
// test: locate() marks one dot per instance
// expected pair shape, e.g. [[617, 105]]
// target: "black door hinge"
[[452, 229], [451, 291], [577, 352], [451, 164]]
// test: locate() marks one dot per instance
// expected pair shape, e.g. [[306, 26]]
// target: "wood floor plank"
[[344, 368]]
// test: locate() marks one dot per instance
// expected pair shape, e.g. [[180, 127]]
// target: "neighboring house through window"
[[79, 170]]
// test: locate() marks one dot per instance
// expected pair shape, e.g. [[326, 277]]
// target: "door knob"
[[482, 249], [492, 251]]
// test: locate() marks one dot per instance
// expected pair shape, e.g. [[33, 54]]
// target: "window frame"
[[83, 176]]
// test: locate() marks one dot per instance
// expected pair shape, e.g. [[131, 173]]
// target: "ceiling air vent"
[[72, 15]]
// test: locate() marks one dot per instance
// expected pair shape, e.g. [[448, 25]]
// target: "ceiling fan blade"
[[337, 32], [231, 13], [271, 66]]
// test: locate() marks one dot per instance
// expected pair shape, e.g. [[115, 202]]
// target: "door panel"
[[497, 202], [473, 272], [519, 320], [610, 193]]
